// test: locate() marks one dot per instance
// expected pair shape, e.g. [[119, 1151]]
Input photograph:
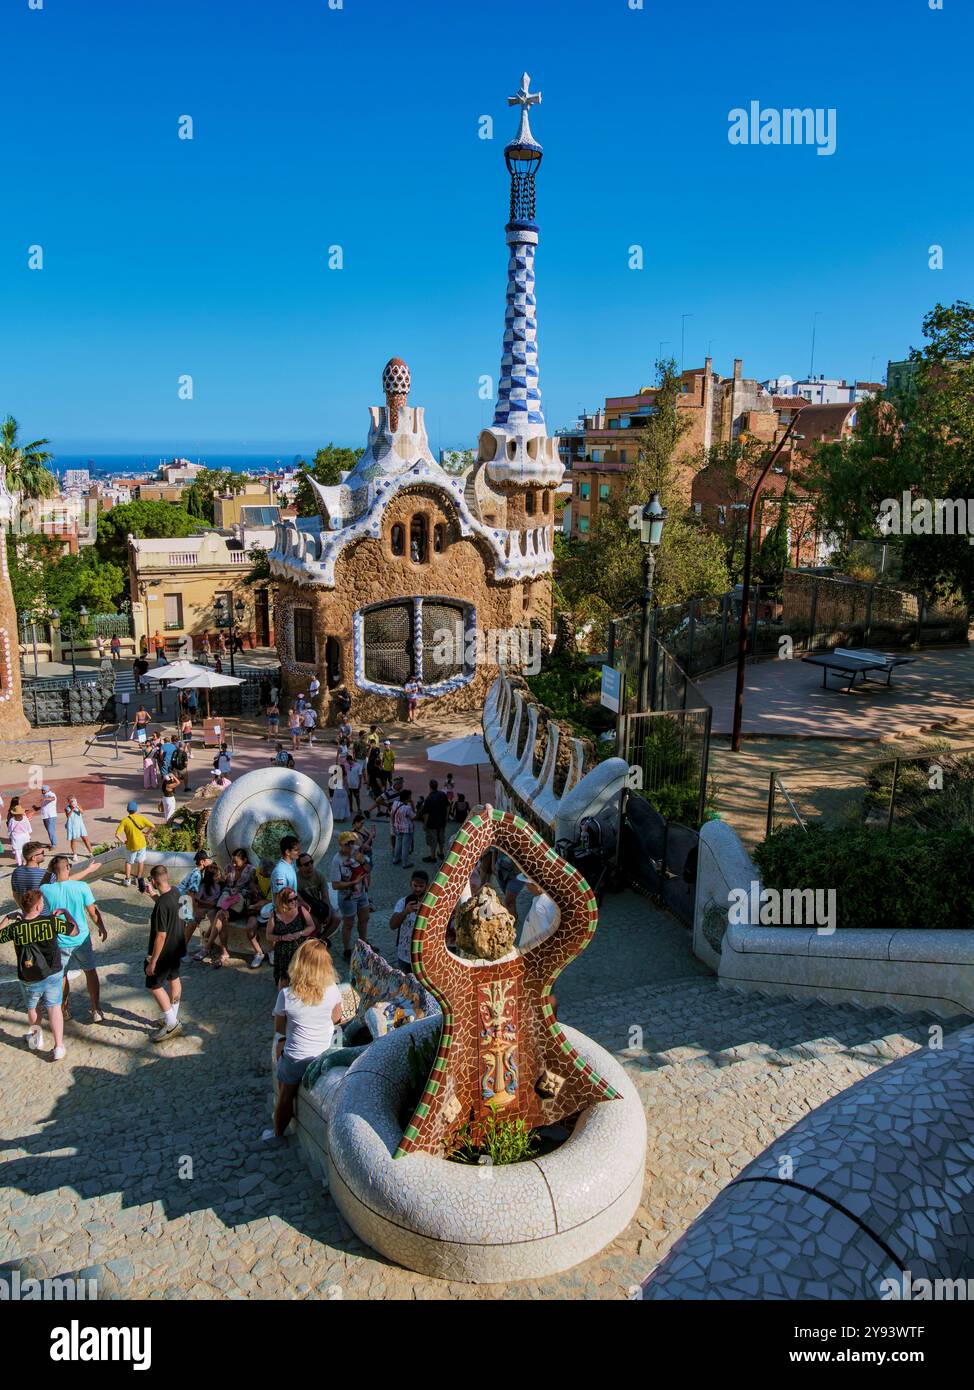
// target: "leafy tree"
[[208, 483], [690, 562], [457, 461], [327, 469], [772, 559], [44, 580], [260, 567], [24, 466], [146, 521]]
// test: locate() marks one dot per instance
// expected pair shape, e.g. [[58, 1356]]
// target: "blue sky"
[[359, 127]]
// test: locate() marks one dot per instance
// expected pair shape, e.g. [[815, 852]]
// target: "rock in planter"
[[485, 928]]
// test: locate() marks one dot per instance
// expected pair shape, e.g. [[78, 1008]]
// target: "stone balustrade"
[[512, 723]]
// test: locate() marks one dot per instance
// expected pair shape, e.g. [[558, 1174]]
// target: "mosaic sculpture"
[[501, 1048]]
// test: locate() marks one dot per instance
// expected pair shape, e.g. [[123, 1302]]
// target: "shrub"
[[906, 877], [500, 1139]]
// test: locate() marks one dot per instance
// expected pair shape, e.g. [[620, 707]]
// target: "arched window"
[[398, 540], [386, 649], [529, 502], [546, 500], [333, 662], [419, 539], [304, 637], [387, 642], [439, 538]]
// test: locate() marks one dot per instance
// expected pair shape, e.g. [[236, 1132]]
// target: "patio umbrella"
[[206, 680], [173, 671], [468, 751]]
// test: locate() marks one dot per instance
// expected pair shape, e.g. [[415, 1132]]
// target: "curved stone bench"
[[269, 794], [869, 1194], [476, 1224]]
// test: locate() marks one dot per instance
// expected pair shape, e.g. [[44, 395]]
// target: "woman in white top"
[[306, 1016]]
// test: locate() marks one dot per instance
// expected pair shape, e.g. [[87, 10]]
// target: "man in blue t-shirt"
[[30, 874], [167, 752], [284, 874], [75, 898]]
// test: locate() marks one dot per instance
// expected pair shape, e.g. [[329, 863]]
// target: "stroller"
[[593, 853]]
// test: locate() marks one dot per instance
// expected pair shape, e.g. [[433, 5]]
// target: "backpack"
[[179, 760]]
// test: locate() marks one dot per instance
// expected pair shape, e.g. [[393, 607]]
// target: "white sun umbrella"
[[207, 680], [468, 751], [173, 671]]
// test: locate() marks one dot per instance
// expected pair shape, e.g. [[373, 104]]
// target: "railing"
[[775, 785]]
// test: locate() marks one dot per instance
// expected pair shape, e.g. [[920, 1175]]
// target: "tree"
[[690, 562], [208, 483], [44, 580], [146, 521], [457, 461], [327, 469], [24, 466], [772, 559], [260, 566]]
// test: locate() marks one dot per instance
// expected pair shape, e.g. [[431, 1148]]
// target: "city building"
[[76, 480], [410, 572], [821, 390], [174, 585], [179, 471], [256, 505]]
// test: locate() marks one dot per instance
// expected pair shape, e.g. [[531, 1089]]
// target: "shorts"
[[349, 906], [135, 856], [290, 1070], [167, 969], [50, 990], [80, 957]]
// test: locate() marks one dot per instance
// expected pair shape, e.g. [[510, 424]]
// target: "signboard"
[[611, 694]]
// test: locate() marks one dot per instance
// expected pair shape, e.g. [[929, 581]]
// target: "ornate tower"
[[518, 459]]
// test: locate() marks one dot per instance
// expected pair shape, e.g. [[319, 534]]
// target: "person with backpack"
[[34, 931]]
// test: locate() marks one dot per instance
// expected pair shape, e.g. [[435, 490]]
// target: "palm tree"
[[23, 467]]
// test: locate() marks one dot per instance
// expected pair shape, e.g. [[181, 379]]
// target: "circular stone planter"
[[476, 1224], [269, 794]]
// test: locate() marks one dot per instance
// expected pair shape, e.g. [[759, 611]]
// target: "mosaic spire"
[[518, 395]]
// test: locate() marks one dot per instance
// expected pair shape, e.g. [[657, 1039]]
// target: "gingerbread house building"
[[409, 573]]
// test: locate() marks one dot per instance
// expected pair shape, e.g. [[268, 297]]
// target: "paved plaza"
[[145, 1162]]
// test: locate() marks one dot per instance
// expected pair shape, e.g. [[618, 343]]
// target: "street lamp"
[[651, 522], [26, 618], [229, 618], [746, 584]]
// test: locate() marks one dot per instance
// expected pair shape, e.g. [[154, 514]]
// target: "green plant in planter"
[[419, 1060], [501, 1140]]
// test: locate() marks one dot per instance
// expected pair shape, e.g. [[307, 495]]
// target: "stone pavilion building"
[[411, 573]]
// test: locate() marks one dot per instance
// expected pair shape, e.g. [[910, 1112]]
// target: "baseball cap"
[[348, 837], [132, 806]]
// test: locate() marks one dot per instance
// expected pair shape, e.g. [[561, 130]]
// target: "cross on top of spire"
[[525, 99]]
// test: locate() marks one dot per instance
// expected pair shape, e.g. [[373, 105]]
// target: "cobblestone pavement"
[[145, 1161]]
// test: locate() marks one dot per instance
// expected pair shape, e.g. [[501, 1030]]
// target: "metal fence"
[[56, 701]]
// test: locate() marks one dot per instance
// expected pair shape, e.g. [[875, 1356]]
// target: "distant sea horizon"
[[103, 464]]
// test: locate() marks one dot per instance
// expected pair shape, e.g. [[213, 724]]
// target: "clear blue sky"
[[359, 126]]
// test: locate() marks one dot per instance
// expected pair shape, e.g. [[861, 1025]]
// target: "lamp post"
[[651, 521], [746, 585], [228, 615], [26, 618]]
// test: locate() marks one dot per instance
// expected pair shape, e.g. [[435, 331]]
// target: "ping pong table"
[[843, 662]]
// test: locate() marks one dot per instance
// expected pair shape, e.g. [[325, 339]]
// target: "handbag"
[[228, 901]]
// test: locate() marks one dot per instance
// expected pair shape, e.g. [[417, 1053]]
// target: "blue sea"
[[107, 465]]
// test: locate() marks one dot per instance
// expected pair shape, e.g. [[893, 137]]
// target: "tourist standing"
[[140, 724], [289, 925], [150, 769], [309, 719], [29, 874], [164, 954], [294, 728], [116, 648], [353, 784], [373, 774], [344, 701], [404, 820], [306, 1017], [75, 829], [205, 649], [349, 871], [36, 934], [74, 897], [313, 891], [313, 689], [403, 917], [413, 689], [159, 647], [388, 762], [170, 782], [436, 810], [48, 810], [18, 828], [273, 719], [132, 829]]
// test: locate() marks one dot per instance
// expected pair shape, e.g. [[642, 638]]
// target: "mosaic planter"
[[472, 1224]]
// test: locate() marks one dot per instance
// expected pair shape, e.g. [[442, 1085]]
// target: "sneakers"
[[270, 957], [97, 1016], [258, 961], [269, 1137], [165, 1032], [58, 1053], [34, 1037]]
